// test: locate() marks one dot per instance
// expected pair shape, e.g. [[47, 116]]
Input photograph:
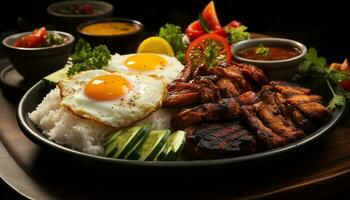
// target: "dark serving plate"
[[35, 95]]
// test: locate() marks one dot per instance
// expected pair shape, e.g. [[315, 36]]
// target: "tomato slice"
[[208, 49]]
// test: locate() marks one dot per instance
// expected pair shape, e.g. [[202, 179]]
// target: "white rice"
[[61, 126]]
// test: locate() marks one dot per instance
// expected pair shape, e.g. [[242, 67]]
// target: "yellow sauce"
[[110, 28]]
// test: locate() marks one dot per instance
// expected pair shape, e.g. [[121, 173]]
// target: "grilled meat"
[[302, 122], [288, 89], [184, 94], [272, 118], [302, 98], [252, 73], [219, 140], [225, 109], [248, 98], [186, 74], [265, 135], [228, 88], [232, 73], [278, 114], [314, 111]]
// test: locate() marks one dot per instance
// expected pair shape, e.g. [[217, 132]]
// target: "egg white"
[[143, 99], [170, 71]]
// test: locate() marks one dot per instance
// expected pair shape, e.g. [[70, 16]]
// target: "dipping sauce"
[[110, 28], [273, 52]]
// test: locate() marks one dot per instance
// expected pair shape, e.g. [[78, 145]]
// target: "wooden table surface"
[[318, 171]]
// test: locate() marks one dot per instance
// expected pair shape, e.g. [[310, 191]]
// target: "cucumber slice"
[[176, 142], [151, 147], [139, 143], [57, 75], [111, 138], [128, 139]]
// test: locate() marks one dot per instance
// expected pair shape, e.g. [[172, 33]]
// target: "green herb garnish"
[[86, 58], [54, 38], [173, 35], [262, 50], [315, 71], [237, 34]]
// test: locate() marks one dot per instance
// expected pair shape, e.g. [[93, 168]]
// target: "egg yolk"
[[145, 61], [107, 87]]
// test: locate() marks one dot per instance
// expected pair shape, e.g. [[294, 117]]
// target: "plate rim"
[[40, 138]]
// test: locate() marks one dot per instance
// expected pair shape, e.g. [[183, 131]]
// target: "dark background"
[[321, 24]]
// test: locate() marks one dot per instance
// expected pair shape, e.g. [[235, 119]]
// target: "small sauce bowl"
[[122, 41], [282, 68]]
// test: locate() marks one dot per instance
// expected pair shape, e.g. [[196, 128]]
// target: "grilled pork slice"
[[273, 119], [248, 98], [314, 111], [219, 140], [184, 94], [289, 89], [232, 73], [228, 88], [264, 134], [252, 73], [224, 109]]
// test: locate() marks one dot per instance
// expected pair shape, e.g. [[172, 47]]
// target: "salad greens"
[[54, 38], [237, 34], [316, 71], [174, 35], [86, 58]]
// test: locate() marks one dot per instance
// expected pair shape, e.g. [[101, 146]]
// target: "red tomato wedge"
[[208, 49], [210, 17], [35, 39], [194, 30]]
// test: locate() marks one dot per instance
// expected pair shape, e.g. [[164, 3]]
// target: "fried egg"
[[146, 63], [114, 99]]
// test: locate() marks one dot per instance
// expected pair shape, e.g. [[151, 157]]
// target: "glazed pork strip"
[[227, 88], [224, 109], [264, 134], [289, 89], [233, 74], [314, 111], [219, 140], [252, 73], [272, 119], [248, 98], [271, 113]]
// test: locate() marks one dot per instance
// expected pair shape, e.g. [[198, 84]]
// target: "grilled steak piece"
[[219, 140], [265, 135], [225, 109]]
